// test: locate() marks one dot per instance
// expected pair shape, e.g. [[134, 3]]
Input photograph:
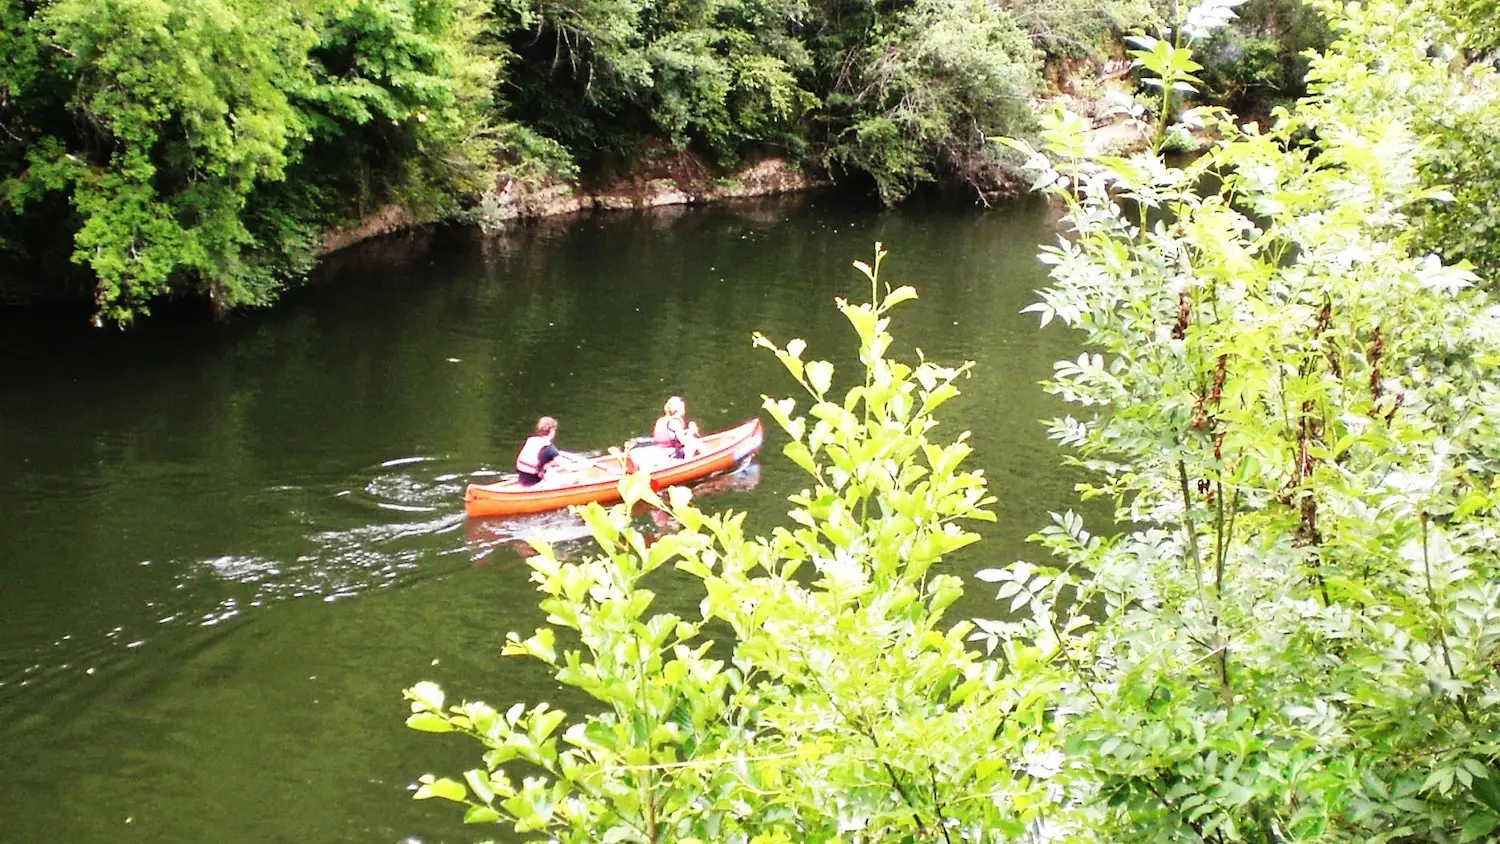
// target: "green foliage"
[[400, 89], [1294, 634], [898, 91], [1454, 106], [1078, 28], [1477, 23], [603, 75], [185, 110], [205, 147], [1261, 60], [924, 85], [21, 65], [846, 707], [163, 122]]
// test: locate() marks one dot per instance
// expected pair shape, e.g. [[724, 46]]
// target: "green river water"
[[225, 547]]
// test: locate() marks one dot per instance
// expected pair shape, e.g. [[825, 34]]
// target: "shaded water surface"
[[225, 547]]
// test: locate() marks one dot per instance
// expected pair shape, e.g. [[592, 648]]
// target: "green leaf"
[[799, 454], [904, 293], [479, 783], [427, 694], [819, 376], [1479, 825], [445, 788], [1472, 503], [481, 814], [863, 319], [1487, 791], [636, 487], [987, 767], [429, 722]]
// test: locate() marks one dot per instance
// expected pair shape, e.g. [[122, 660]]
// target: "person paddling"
[[539, 452], [675, 432]]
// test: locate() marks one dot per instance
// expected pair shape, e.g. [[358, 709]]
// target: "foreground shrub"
[[1295, 636], [846, 707]]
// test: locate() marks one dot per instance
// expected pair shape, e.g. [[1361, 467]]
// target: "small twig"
[[1187, 525], [1220, 553], [1438, 612], [708, 763], [937, 803]]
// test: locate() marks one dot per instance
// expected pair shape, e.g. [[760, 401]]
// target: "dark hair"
[[545, 426]]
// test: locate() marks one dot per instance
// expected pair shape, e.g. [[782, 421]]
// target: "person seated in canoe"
[[675, 432], [539, 452]]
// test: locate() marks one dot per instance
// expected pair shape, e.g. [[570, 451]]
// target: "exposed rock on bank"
[[389, 219], [663, 178], [684, 181]]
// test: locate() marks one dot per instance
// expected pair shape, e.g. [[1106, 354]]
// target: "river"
[[226, 546]]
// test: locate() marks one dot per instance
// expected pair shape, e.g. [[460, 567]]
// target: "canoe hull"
[[600, 480]]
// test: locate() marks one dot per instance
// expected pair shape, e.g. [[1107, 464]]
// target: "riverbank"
[[667, 178], [1095, 88], [662, 178]]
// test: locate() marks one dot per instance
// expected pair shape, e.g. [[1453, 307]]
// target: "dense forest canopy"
[[203, 147]]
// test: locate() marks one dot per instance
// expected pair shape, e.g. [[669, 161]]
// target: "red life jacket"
[[529, 459], [666, 433]]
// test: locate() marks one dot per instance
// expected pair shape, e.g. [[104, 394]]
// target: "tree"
[[603, 76], [921, 85], [204, 148], [159, 174], [164, 121], [1261, 59]]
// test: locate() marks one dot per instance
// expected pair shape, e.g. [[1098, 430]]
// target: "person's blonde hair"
[[545, 426], [674, 406]]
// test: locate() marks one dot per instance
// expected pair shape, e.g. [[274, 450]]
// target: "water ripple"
[[407, 526]]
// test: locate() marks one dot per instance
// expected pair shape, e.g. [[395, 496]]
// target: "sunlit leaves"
[[847, 705], [446, 789], [1207, 16], [1296, 627], [1169, 66]]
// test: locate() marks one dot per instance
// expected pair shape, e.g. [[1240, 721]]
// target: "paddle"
[[578, 461]]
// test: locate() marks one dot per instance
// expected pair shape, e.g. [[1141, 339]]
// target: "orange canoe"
[[599, 479]]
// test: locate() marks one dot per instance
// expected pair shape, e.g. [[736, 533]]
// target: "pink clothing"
[[668, 431]]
